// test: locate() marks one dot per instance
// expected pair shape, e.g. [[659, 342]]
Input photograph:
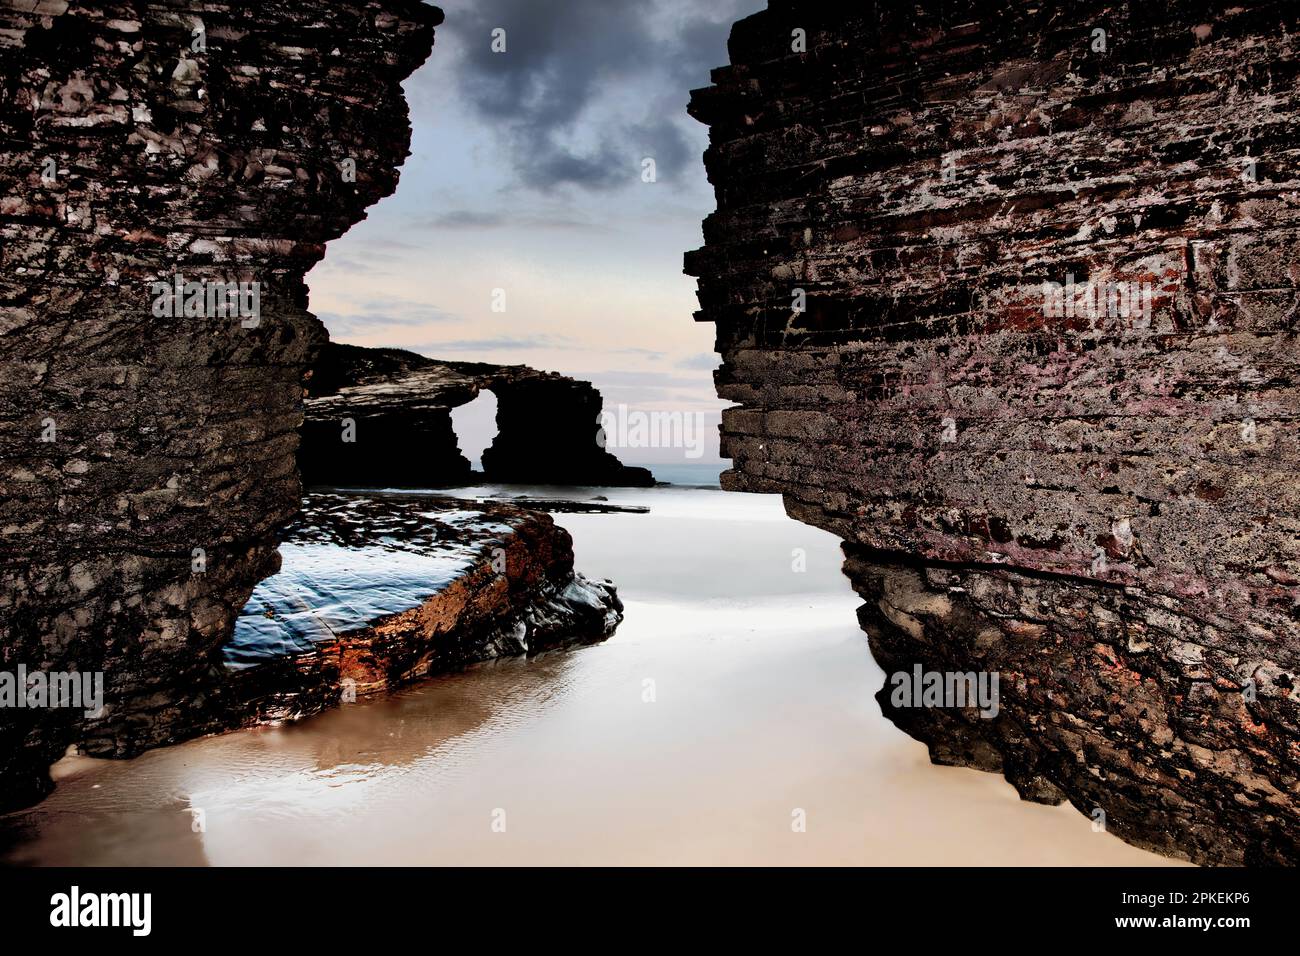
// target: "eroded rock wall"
[[147, 462], [1096, 500]]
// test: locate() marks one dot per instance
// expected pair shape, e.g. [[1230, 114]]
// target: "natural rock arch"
[[378, 417]]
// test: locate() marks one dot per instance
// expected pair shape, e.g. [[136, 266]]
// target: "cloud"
[[351, 265], [358, 312], [353, 324], [653, 355], [500, 344], [657, 381], [706, 361], [486, 219], [467, 219], [587, 88]]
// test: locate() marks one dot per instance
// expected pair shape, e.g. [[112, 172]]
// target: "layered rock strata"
[[382, 417], [377, 591], [1006, 297], [147, 453]]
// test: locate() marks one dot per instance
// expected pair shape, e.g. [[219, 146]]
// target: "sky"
[[527, 175]]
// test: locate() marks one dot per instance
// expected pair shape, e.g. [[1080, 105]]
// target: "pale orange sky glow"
[[548, 205]]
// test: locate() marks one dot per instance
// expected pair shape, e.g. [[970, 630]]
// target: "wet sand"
[[762, 707]]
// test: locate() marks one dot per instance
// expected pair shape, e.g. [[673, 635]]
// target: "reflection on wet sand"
[[736, 693]]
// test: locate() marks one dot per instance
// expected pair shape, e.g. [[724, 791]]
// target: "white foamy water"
[[762, 706]]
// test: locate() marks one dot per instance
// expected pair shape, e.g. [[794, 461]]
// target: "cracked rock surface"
[[147, 463], [1097, 502]]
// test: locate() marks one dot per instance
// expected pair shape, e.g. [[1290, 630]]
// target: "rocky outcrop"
[[147, 453], [382, 417], [374, 592], [1006, 297]]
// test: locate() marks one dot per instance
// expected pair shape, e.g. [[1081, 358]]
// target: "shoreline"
[[460, 583]]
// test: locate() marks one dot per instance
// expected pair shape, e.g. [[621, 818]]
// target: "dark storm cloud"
[[587, 88]]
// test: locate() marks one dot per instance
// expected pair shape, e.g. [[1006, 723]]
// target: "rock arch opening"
[[475, 425]]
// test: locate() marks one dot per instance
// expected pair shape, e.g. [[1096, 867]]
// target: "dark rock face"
[[147, 462], [382, 417], [1090, 492], [377, 591]]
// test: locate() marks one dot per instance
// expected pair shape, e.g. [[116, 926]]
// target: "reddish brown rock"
[[1099, 506], [377, 591]]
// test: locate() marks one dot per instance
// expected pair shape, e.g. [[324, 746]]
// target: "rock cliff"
[[1006, 296], [147, 441], [382, 417]]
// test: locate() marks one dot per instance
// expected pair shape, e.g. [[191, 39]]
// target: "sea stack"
[[1097, 502]]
